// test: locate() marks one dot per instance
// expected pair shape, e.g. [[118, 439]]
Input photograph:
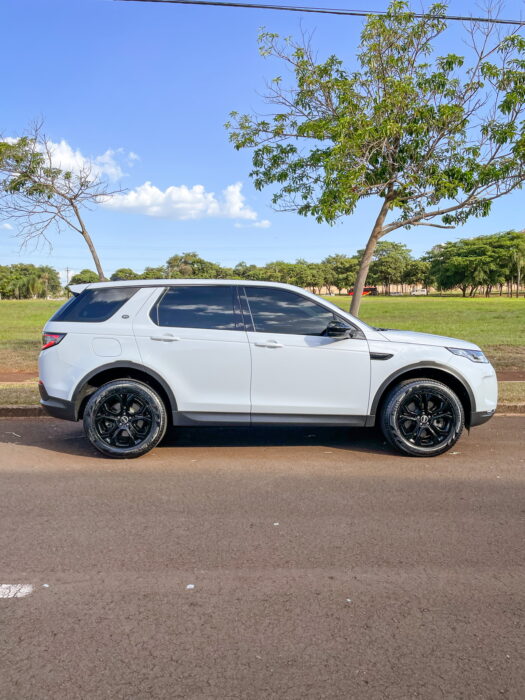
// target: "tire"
[[113, 424], [422, 417]]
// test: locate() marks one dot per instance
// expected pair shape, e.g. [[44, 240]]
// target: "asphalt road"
[[323, 566]]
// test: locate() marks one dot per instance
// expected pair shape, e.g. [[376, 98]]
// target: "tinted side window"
[[280, 311], [195, 306], [94, 305]]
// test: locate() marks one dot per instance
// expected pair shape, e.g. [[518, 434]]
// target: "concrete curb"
[[510, 409], [22, 411]]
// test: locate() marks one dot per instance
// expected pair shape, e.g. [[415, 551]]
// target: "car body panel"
[[208, 370], [306, 374], [81, 351], [416, 338]]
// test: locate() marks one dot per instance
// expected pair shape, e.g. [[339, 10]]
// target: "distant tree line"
[[485, 264], [481, 265], [23, 281]]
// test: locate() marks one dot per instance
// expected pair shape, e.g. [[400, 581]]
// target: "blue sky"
[[147, 88]]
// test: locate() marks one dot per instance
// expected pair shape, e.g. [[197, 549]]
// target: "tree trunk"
[[376, 234], [90, 244]]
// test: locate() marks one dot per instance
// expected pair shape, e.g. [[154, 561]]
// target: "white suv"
[[131, 357]]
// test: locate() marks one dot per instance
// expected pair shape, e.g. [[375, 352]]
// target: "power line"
[[327, 11]]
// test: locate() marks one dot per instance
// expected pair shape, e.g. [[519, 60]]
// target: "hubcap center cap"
[[124, 420]]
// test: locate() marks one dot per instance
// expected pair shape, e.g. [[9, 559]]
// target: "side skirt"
[[189, 418]]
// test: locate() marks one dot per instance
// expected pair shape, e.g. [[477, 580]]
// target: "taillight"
[[50, 339]]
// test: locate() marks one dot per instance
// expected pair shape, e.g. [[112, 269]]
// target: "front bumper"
[[58, 408]]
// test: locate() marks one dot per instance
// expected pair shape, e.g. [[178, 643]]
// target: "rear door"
[[194, 337], [296, 369]]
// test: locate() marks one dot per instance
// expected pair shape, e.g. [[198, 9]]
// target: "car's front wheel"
[[125, 418], [422, 417]]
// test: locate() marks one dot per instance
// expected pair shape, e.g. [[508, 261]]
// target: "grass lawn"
[[21, 324], [496, 324], [19, 393]]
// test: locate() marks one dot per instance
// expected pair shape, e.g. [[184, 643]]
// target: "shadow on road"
[[355, 439], [68, 438]]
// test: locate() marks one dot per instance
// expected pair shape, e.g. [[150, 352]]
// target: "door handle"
[[165, 338], [269, 344]]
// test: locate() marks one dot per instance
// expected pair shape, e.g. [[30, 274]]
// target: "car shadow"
[[68, 438], [355, 439]]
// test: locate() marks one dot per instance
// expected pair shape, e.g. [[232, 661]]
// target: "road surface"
[[261, 563]]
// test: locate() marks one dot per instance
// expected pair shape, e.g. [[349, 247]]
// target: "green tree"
[[417, 272], [26, 281], [189, 265], [468, 264], [246, 272], [50, 281], [154, 273], [84, 277], [389, 263], [40, 197], [510, 251], [341, 271], [124, 273], [434, 139], [310, 275], [279, 271]]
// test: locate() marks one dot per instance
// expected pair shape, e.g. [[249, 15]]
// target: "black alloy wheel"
[[125, 418], [426, 418], [422, 417]]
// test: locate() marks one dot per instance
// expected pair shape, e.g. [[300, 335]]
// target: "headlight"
[[474, 355]]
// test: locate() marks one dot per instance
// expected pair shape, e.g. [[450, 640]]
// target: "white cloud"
[[6, 227], [264, 223], [108, 164], [181, 202], [178, 202]]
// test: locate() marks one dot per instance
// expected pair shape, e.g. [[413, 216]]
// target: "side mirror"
[[339, 329]]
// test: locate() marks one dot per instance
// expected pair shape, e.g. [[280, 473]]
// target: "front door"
[[296, 369]]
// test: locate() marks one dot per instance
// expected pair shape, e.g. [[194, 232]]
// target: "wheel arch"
[[121, 370], [426, 371]]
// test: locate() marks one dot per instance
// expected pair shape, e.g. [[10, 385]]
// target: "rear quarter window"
[[94, 305]]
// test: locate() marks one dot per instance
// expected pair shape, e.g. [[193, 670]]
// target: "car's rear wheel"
[[125, 418], [422, 417]]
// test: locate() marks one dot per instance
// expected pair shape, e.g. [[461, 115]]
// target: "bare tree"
[[39, 197]]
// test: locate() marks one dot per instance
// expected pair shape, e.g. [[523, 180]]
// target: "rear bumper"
[[58, 408], [480, 417]]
